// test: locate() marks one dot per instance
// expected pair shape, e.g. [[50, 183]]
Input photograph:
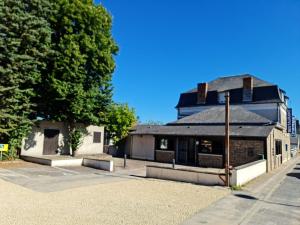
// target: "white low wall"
[[190, 176], [245, 173], [107, 165], [36, 160], [66, 162], [103, 164]]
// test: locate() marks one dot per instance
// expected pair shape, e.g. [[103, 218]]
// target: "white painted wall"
[[87, 146], [269, 110], [243, 174], [142, 147], [283, 115], [33, 145], [107, 165], [183, 176], [66, 162]]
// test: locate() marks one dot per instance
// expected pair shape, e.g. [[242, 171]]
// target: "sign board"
[[3, 147], [289, 120], [294, 126]]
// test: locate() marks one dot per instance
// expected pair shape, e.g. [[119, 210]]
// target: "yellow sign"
[[3, 147]]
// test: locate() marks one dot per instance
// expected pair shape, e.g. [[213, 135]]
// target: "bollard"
[[173, 163], [125, 157]]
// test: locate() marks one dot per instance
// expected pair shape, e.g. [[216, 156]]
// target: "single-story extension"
[[50, 138], [198, 140]]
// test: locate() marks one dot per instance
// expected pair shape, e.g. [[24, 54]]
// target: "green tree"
[[77, 84], [4, 116], [118, 120], [25, 38]]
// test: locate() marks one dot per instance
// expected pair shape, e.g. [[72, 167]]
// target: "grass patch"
[[237, 187]]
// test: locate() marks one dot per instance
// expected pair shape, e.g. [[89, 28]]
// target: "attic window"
[[221, 97]]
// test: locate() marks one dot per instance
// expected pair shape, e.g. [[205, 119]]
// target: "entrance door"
[[191, 158], [182, 149], [50, 141], [187, 150]]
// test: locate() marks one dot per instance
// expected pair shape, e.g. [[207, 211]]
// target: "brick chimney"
[[247, 89], [202, 93]]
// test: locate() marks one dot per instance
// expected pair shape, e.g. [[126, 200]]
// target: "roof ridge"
[[238, 75], [212, 115]]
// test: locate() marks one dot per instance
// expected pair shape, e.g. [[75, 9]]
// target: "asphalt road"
[[274, 199]]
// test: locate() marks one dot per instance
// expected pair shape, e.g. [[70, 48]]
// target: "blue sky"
[[167, 47]]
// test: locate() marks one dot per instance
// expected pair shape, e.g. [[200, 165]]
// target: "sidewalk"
[[273, 198]]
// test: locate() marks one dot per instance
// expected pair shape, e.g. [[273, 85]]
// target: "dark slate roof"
[[216, 115], [203, 130], [263, 92], [233, 82]]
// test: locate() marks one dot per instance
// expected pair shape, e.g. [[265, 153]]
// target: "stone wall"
[[164, 156], [273, 160], [245, 151], [210, 160]]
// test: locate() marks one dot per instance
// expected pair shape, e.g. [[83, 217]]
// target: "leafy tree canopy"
[[77, 84], [24, 47], [118, 120]]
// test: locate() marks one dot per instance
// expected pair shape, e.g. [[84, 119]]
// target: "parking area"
[[50, 179], [35, 194]]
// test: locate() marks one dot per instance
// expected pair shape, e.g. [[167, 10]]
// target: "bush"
[[76, 137]]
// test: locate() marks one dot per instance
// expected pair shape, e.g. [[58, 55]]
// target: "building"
[[248, 91], [50, 138], [295, 146], [258, 126]]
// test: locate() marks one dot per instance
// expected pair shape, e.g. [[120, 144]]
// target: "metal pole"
[[125, 157], [173, 163], [227, 147]]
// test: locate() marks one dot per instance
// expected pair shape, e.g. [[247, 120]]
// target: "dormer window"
[[221, 97], [286, 100]]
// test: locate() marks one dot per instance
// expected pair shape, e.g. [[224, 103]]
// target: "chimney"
[[202, 93], [247, 89]]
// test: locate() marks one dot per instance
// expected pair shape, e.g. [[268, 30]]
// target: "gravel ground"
[[128, 202]]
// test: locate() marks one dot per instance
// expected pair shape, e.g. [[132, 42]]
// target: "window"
[[221, 97], [286, 147], [97, 137], [206, 146], [210, 146], [278, 147], [163, 144]]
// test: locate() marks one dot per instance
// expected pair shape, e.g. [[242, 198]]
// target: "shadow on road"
[[283, 204], [249, 197], [297, 175]]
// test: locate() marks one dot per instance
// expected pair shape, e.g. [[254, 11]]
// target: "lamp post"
[[227, 147]]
